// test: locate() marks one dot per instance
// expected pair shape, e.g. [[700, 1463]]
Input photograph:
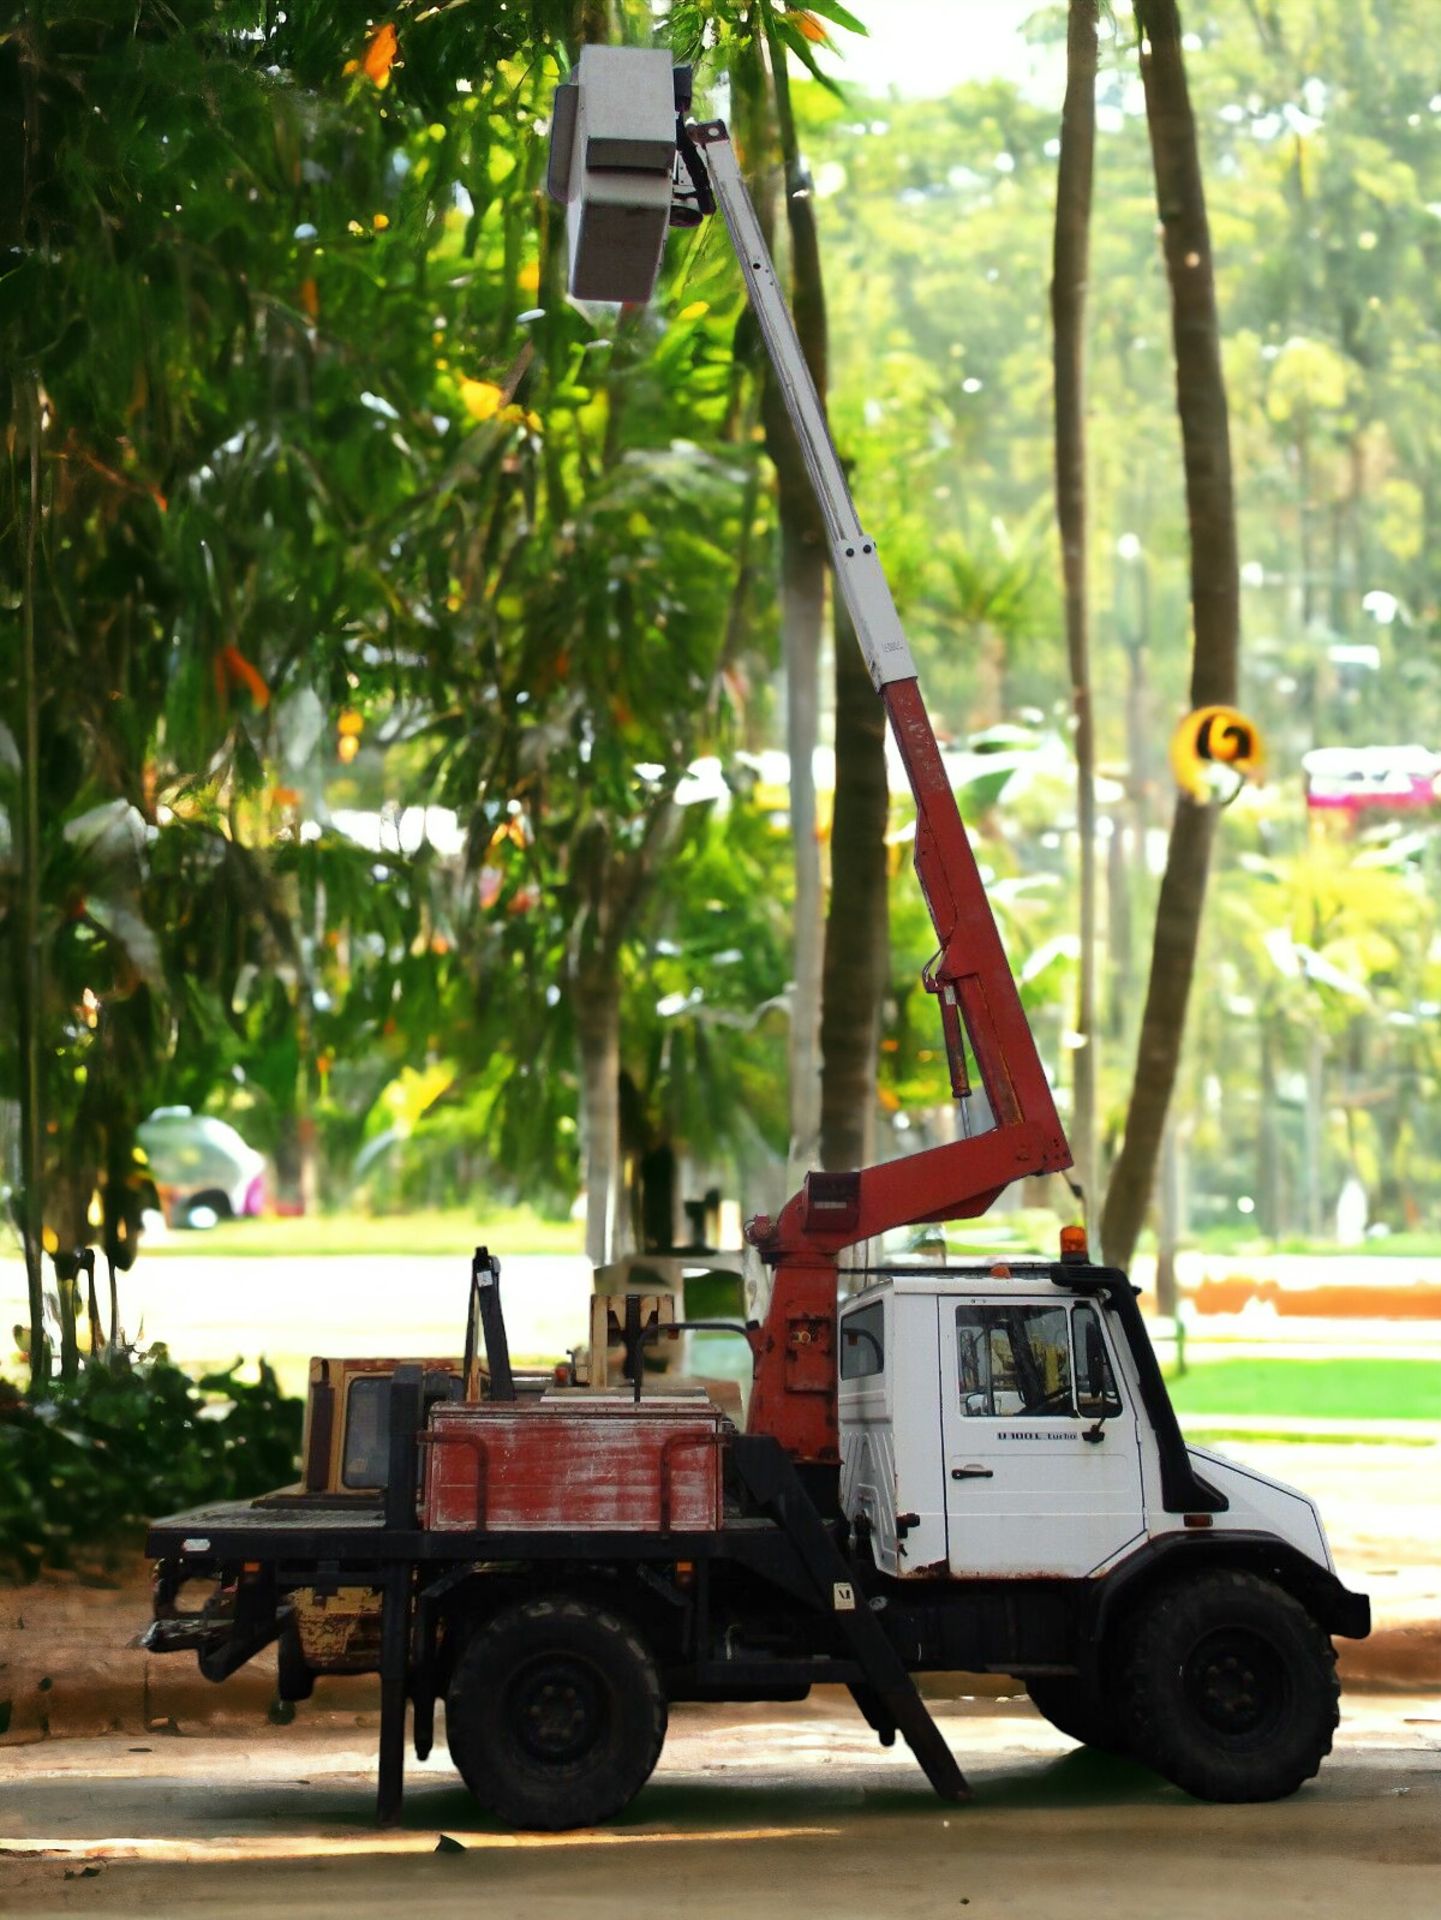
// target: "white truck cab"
[[1012, 1469], [997, 1424]]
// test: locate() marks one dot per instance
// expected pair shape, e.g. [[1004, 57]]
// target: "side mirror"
[[978, 1405]]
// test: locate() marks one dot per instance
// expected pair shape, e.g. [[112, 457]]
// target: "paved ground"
[[751, 1813], [212, 1309]]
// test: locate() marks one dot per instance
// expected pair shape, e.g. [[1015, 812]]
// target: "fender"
[[1331, 1604]]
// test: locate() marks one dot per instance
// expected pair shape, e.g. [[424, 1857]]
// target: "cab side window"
[[863, 1351], [1014, 1360]]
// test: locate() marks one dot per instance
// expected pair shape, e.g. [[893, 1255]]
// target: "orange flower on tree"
[[379, 56], [232, 670]]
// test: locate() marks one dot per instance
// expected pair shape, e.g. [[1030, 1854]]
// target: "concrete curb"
[[144, 1694], [1396, 1659]]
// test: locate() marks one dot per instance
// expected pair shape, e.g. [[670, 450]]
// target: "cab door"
[[1042, 1453]]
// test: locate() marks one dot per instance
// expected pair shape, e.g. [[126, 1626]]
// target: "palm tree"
[[804, 561], [857, 946], [1215, 606], [1068, 316]]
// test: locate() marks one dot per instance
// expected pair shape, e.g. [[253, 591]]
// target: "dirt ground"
[[749, 1814]]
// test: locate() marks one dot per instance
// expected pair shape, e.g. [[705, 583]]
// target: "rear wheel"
[[1230, 1688], [1075, 1706], [555, 1714]]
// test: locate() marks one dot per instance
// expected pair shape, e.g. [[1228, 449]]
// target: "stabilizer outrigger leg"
[[398, 1599], [891, 1696]]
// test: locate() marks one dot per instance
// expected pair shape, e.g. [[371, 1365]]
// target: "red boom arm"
[[794, 1392], [794, 1396]]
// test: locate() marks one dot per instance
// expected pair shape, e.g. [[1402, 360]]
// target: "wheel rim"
[[1237, 1684], [558, 1708]]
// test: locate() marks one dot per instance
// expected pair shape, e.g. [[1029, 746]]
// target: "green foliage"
[[302, 462], [312, 466], [84, 1468]]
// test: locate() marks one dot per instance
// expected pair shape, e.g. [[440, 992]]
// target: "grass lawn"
[[1327, 1389], [504, 1229]]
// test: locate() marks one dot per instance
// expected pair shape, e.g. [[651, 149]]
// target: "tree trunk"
[[803, 593], [613, 886], [597, 1026], [1173, 959], [305, 1187], [1168, 1226], [1068, 317], [28, 980], [804, 565], [857, 950], [1215, 606], [113, 1341], [658, 1198]]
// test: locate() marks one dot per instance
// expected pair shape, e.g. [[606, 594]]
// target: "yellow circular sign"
[[1210, 739]]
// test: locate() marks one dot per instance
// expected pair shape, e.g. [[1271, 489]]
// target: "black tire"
[[1229, 1688], [555, 1714], [1075, 1706], [206, 1203]]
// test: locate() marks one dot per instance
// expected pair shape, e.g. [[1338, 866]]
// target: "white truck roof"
[[987, 1277]]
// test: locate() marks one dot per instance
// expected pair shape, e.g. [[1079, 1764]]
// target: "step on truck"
[[940, 1469]]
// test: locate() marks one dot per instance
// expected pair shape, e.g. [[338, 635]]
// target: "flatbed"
[[780, 1560]]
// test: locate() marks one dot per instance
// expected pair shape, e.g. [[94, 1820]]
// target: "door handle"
[[972, 1473]]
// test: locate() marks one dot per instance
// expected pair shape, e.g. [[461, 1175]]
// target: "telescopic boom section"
[[981, 1012]]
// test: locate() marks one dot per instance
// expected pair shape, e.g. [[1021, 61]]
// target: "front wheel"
[[1230, 1689], [555, 1714]]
